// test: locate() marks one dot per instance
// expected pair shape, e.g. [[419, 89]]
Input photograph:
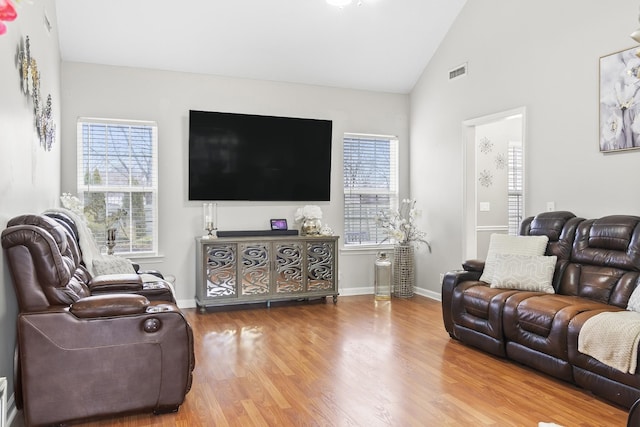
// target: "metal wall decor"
[[30, 83]]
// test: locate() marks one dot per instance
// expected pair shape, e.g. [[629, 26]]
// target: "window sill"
[[365, 249], [144, 259]]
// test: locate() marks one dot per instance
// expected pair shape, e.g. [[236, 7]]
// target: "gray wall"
[[166, 97], [29, 175], [541, 55]]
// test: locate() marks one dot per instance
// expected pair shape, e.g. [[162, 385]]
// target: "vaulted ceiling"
[[380, 45]]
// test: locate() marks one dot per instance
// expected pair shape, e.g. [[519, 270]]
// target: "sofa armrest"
[[449, 283], [109, 305], [115, 283], [473, 265]]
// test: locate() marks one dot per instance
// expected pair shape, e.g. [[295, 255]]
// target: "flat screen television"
[[259, 158]]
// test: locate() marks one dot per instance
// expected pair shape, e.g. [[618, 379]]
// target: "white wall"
[[542, 55], [29, 175], [166, 97]]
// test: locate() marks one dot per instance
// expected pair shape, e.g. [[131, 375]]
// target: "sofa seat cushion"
[[588, 363], [540, 321], [478, 306]]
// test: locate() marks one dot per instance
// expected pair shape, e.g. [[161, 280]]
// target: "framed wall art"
[[620, 101]]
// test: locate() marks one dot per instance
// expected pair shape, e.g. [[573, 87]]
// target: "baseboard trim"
[[360, 290]]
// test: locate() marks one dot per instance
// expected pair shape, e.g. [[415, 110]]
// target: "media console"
[[243, 270]]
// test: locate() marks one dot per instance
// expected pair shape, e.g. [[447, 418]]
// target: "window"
[[117, 180], [370, 185], [515, 181]]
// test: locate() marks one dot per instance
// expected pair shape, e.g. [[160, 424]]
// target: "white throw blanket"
[[612, 338], [88, 246]]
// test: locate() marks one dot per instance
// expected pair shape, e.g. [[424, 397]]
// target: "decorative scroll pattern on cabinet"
[[245, 270]]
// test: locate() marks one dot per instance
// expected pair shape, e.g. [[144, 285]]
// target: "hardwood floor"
[[361, 363]]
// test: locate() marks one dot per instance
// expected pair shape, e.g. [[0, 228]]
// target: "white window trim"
[[394, 192], [154, 252]]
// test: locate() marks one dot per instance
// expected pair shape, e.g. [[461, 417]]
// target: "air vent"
[[458, 72]]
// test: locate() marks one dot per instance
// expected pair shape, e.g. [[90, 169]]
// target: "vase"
[[403, 271], [310, 227], [382, 278]]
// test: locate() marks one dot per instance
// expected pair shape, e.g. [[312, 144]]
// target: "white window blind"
[[118, 181], [515, 183], [370, 185]]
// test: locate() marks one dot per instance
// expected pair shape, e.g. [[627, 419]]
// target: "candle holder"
[[209, 215], [111, 240]]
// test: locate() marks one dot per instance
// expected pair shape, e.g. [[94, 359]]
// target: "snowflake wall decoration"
[[486, 146], [485, 178], [501, 161]]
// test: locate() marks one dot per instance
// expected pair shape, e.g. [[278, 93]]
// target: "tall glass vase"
[[403, 271]]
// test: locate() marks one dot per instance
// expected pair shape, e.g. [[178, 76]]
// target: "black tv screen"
[[259, 158]]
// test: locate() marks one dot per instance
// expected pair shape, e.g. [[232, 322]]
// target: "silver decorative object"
[[403, 271], [383, 275], [485, 178], [486, 146], [111, 240], [210, 219], [311, 227]]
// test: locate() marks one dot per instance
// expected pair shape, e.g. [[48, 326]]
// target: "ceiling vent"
[[458, 72]]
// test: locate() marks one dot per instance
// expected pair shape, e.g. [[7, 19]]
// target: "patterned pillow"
[[109, 264], [634, 300], [517, 245], [525, 273]]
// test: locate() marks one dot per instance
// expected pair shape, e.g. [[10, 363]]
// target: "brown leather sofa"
[[89, 348], [597, 269]]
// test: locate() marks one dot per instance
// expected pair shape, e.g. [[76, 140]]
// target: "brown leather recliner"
[[597, 270], [82, 355]]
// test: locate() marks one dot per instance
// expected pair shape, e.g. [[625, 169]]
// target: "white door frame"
[[469, 210]]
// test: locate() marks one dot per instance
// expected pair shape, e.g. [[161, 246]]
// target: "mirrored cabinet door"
[[320, 265], [220, 268], [288, 267], [254, 269]]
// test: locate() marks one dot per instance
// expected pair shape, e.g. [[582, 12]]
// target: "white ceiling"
[[382, 45]]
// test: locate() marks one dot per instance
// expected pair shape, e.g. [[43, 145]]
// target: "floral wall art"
[[619, 98]]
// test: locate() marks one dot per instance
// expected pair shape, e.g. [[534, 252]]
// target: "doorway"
[[494, 188]]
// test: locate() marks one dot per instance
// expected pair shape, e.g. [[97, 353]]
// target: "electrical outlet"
[[551, 206]]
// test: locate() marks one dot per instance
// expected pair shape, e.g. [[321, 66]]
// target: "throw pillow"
[[525, 273], [517, 245], [634, 300], [109, 264]]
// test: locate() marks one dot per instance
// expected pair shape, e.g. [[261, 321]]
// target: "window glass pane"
[[370, 185], [117, 179]]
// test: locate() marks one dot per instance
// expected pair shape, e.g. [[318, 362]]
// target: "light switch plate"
[[485, 206]]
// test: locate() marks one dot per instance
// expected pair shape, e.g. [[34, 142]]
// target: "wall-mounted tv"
[[259, 158]]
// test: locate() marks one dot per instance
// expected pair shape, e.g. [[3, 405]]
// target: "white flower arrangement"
[[400, 224], [308, 212], [72, 203]]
